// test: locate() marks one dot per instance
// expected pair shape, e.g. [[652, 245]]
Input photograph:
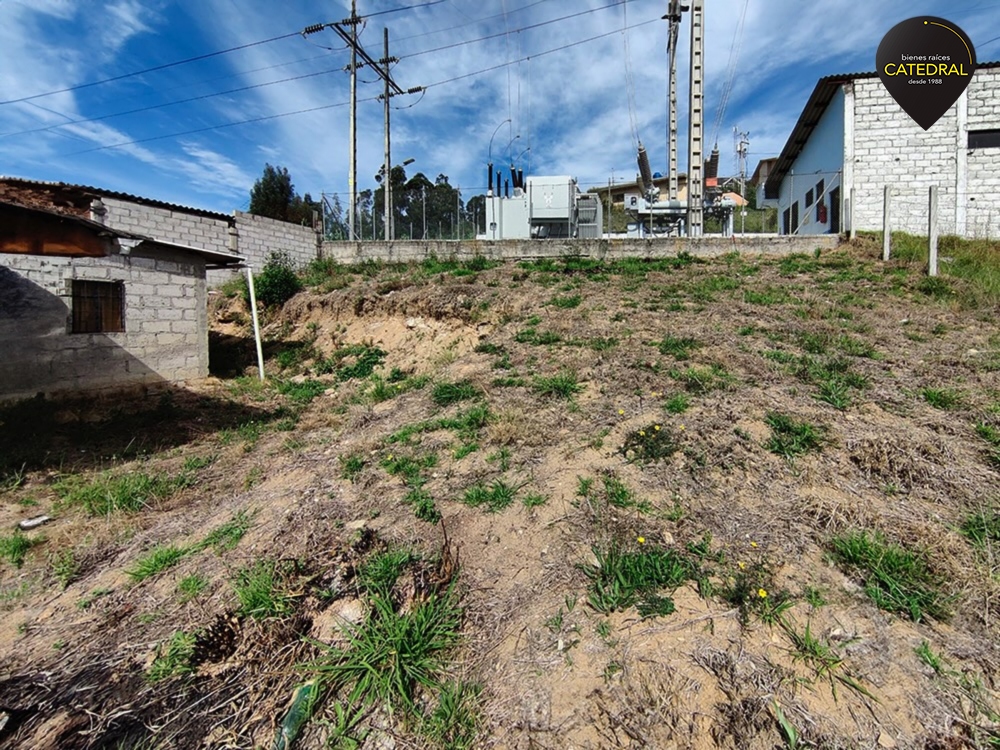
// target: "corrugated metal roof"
[[92, 192], [815, 107]]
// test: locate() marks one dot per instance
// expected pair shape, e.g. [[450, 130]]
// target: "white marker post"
[[932, 234], [256, 325]]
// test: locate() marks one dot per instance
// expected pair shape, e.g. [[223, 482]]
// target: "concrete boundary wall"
[[703, 247], [259, 236]]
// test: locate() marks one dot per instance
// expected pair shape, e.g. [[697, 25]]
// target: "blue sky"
[[555, 112]]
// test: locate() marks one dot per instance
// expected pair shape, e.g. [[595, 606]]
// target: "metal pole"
[[424, 191], [932, 234], [695, 117], [458, 212], [387, 229], [886, 232], [256, 324], [352, 177]]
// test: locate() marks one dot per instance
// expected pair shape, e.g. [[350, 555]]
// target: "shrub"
[[277, 282]]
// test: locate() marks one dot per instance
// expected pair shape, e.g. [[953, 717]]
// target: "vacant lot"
[[741, 503]]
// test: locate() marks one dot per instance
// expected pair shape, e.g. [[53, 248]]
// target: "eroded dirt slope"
[[514, 428]]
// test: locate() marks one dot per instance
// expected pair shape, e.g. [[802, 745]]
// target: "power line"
[[470, 23], [196, 58], [170, 104], [164, 66], [319, 108], [515, 31]]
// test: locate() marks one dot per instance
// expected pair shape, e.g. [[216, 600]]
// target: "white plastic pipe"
[[256, 324]]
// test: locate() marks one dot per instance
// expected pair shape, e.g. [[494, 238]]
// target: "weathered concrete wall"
[[703, 247], [165, 337]]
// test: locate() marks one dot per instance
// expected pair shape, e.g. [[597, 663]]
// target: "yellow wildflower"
[[753, 544], [642, 433], [656, 427], [642, 540], [621, 411], [741, 565], [762, 593], [681, 428]]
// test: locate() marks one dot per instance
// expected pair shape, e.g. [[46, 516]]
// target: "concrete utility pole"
[[696, 113], [382, 69], [674, 17], [352, 177], [388, 163], [742, 149]]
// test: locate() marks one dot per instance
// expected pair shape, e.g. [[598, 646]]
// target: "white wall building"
[[852, 135]]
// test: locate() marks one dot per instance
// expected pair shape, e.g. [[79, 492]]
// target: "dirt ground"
[[306, 462]]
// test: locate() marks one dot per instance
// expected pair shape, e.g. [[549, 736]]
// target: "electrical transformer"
[[540, 208]]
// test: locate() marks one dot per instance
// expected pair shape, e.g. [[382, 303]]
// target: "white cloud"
[[571, 107]]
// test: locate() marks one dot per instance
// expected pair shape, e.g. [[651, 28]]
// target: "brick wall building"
[[252, 237], [85, 307], [852, 135]]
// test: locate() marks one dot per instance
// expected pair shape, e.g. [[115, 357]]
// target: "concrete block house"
[[86, 305], [852, 135]]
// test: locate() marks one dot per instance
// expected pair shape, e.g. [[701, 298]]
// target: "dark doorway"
[[835, 210]]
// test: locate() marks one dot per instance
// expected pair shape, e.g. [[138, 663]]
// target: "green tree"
[[273, 193], [475, 210]]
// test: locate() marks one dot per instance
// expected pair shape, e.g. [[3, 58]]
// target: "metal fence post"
[[932, 233], [886, 230]]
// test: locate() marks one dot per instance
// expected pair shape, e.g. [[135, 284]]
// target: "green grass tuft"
[[942, 398], [790, 438], [260, 590], [445, 394], [624, 578], [156, 561], [679, 348], [650, 443], [895, 578], [563, 385], [494, 497], [14, 547], [172, 658], [107, 493], [982, 529]]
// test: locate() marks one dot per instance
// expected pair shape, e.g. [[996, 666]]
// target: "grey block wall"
[[165, 338], [260, 236], [704, 247], [176, 227]]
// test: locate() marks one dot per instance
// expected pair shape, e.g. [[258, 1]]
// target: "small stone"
[[885, 740], [972, 352], [32, 523]]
